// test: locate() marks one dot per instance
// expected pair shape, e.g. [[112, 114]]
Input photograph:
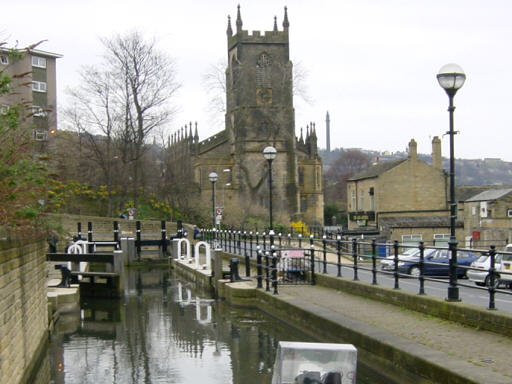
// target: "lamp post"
[[270, 153], [213, 179], [451, 78]]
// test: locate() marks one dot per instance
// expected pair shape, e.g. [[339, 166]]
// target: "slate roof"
[[491, 194], [418, 221], [376, 170]]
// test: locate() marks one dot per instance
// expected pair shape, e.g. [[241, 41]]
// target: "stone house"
[[404, 200], [488, 218]]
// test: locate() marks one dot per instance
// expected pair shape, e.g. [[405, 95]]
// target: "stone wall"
[[23, 308]]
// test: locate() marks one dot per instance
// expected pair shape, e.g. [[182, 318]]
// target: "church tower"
[[259, 112]]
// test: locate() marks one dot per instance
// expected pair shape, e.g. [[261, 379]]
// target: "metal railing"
[[361, 256]]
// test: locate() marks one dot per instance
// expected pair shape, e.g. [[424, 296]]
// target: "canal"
[[166, 330]]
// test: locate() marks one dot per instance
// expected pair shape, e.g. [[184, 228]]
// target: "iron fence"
[[379, 259]]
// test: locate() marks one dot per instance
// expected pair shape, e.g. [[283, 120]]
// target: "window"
[[441, 239], [39, 62], [473, 210], [4, 60], [301, 175], [354, 200], [38, 111], [411, 239], [303, 204], [39, 86], [509, 212], [361, 202], [39, 135]]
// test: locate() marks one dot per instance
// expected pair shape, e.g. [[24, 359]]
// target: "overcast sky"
[[372, 63]]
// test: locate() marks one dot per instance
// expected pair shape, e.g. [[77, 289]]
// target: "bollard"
[[233, 268], [274, 272], [137, 242], [324, 249], [313, 279], [267, 275]]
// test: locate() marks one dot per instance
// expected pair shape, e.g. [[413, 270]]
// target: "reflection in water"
[[166, 331]]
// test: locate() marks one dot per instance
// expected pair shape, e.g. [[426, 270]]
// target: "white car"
[[502, 264]]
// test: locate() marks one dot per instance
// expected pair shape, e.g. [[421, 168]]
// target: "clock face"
[[264, 96]]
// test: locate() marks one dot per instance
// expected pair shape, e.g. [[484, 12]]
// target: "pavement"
[[480, 356]]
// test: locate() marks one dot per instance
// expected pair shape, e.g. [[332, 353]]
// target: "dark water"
[[169, 331]]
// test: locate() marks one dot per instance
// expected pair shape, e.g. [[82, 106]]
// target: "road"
[[469, 294]]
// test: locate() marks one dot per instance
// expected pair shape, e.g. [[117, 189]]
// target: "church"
[[259, 113]]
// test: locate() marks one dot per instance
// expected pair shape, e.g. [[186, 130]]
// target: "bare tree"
[[343, 168], [145, 83]]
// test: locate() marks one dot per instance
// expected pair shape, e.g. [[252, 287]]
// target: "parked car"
[[388, 263], [437, 263], [483, 264]]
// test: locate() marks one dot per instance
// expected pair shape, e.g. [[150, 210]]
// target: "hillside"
[[467, 171]]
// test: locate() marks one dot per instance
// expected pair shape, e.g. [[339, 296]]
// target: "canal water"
[[167, 330]]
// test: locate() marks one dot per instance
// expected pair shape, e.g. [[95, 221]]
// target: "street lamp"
[[270, 153], [451, 78], [213, 177]]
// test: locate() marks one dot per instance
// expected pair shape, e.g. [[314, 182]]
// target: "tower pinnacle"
[[229, 30], [238, 20], [286, 23]]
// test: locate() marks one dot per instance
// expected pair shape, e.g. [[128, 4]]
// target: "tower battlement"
[[259, 37]]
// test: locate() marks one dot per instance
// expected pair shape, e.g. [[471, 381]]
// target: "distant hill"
[[467, 171]]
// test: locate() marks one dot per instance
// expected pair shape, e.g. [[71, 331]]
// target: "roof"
[[491, 194], [418, 222], [377, 169], [36, 52]]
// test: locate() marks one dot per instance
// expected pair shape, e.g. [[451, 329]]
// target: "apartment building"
[[33, 85]]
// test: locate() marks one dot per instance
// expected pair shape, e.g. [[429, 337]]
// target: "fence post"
[[300, 240], [79, 230], [257, 239], [116, 234], [267, 275], [258, 267], [374, 261], [492, 278], [90, 246], [338, 251], [453, 289], [324, 246], [289, 239], [313, 279], [137, 243], [354, 256], [247, 259], [264, 241], [164, 237], [422, 267], [250, 243], [274, 272], [395, 260], [280, 239]]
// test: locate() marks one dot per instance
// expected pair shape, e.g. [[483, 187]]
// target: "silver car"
[[482, 264], [503, 266]]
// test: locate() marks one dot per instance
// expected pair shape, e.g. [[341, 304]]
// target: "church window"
[[301, 175], [354, 202], [263, 71]]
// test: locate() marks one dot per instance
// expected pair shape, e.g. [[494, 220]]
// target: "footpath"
[[461, 354]]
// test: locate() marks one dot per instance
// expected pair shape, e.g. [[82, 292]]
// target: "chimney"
[[437, 161], [413, 149]]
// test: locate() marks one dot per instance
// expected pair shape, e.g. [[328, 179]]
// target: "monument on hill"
[[259, 113]]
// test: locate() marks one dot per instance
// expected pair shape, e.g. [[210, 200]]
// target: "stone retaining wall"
[[23, 308]]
